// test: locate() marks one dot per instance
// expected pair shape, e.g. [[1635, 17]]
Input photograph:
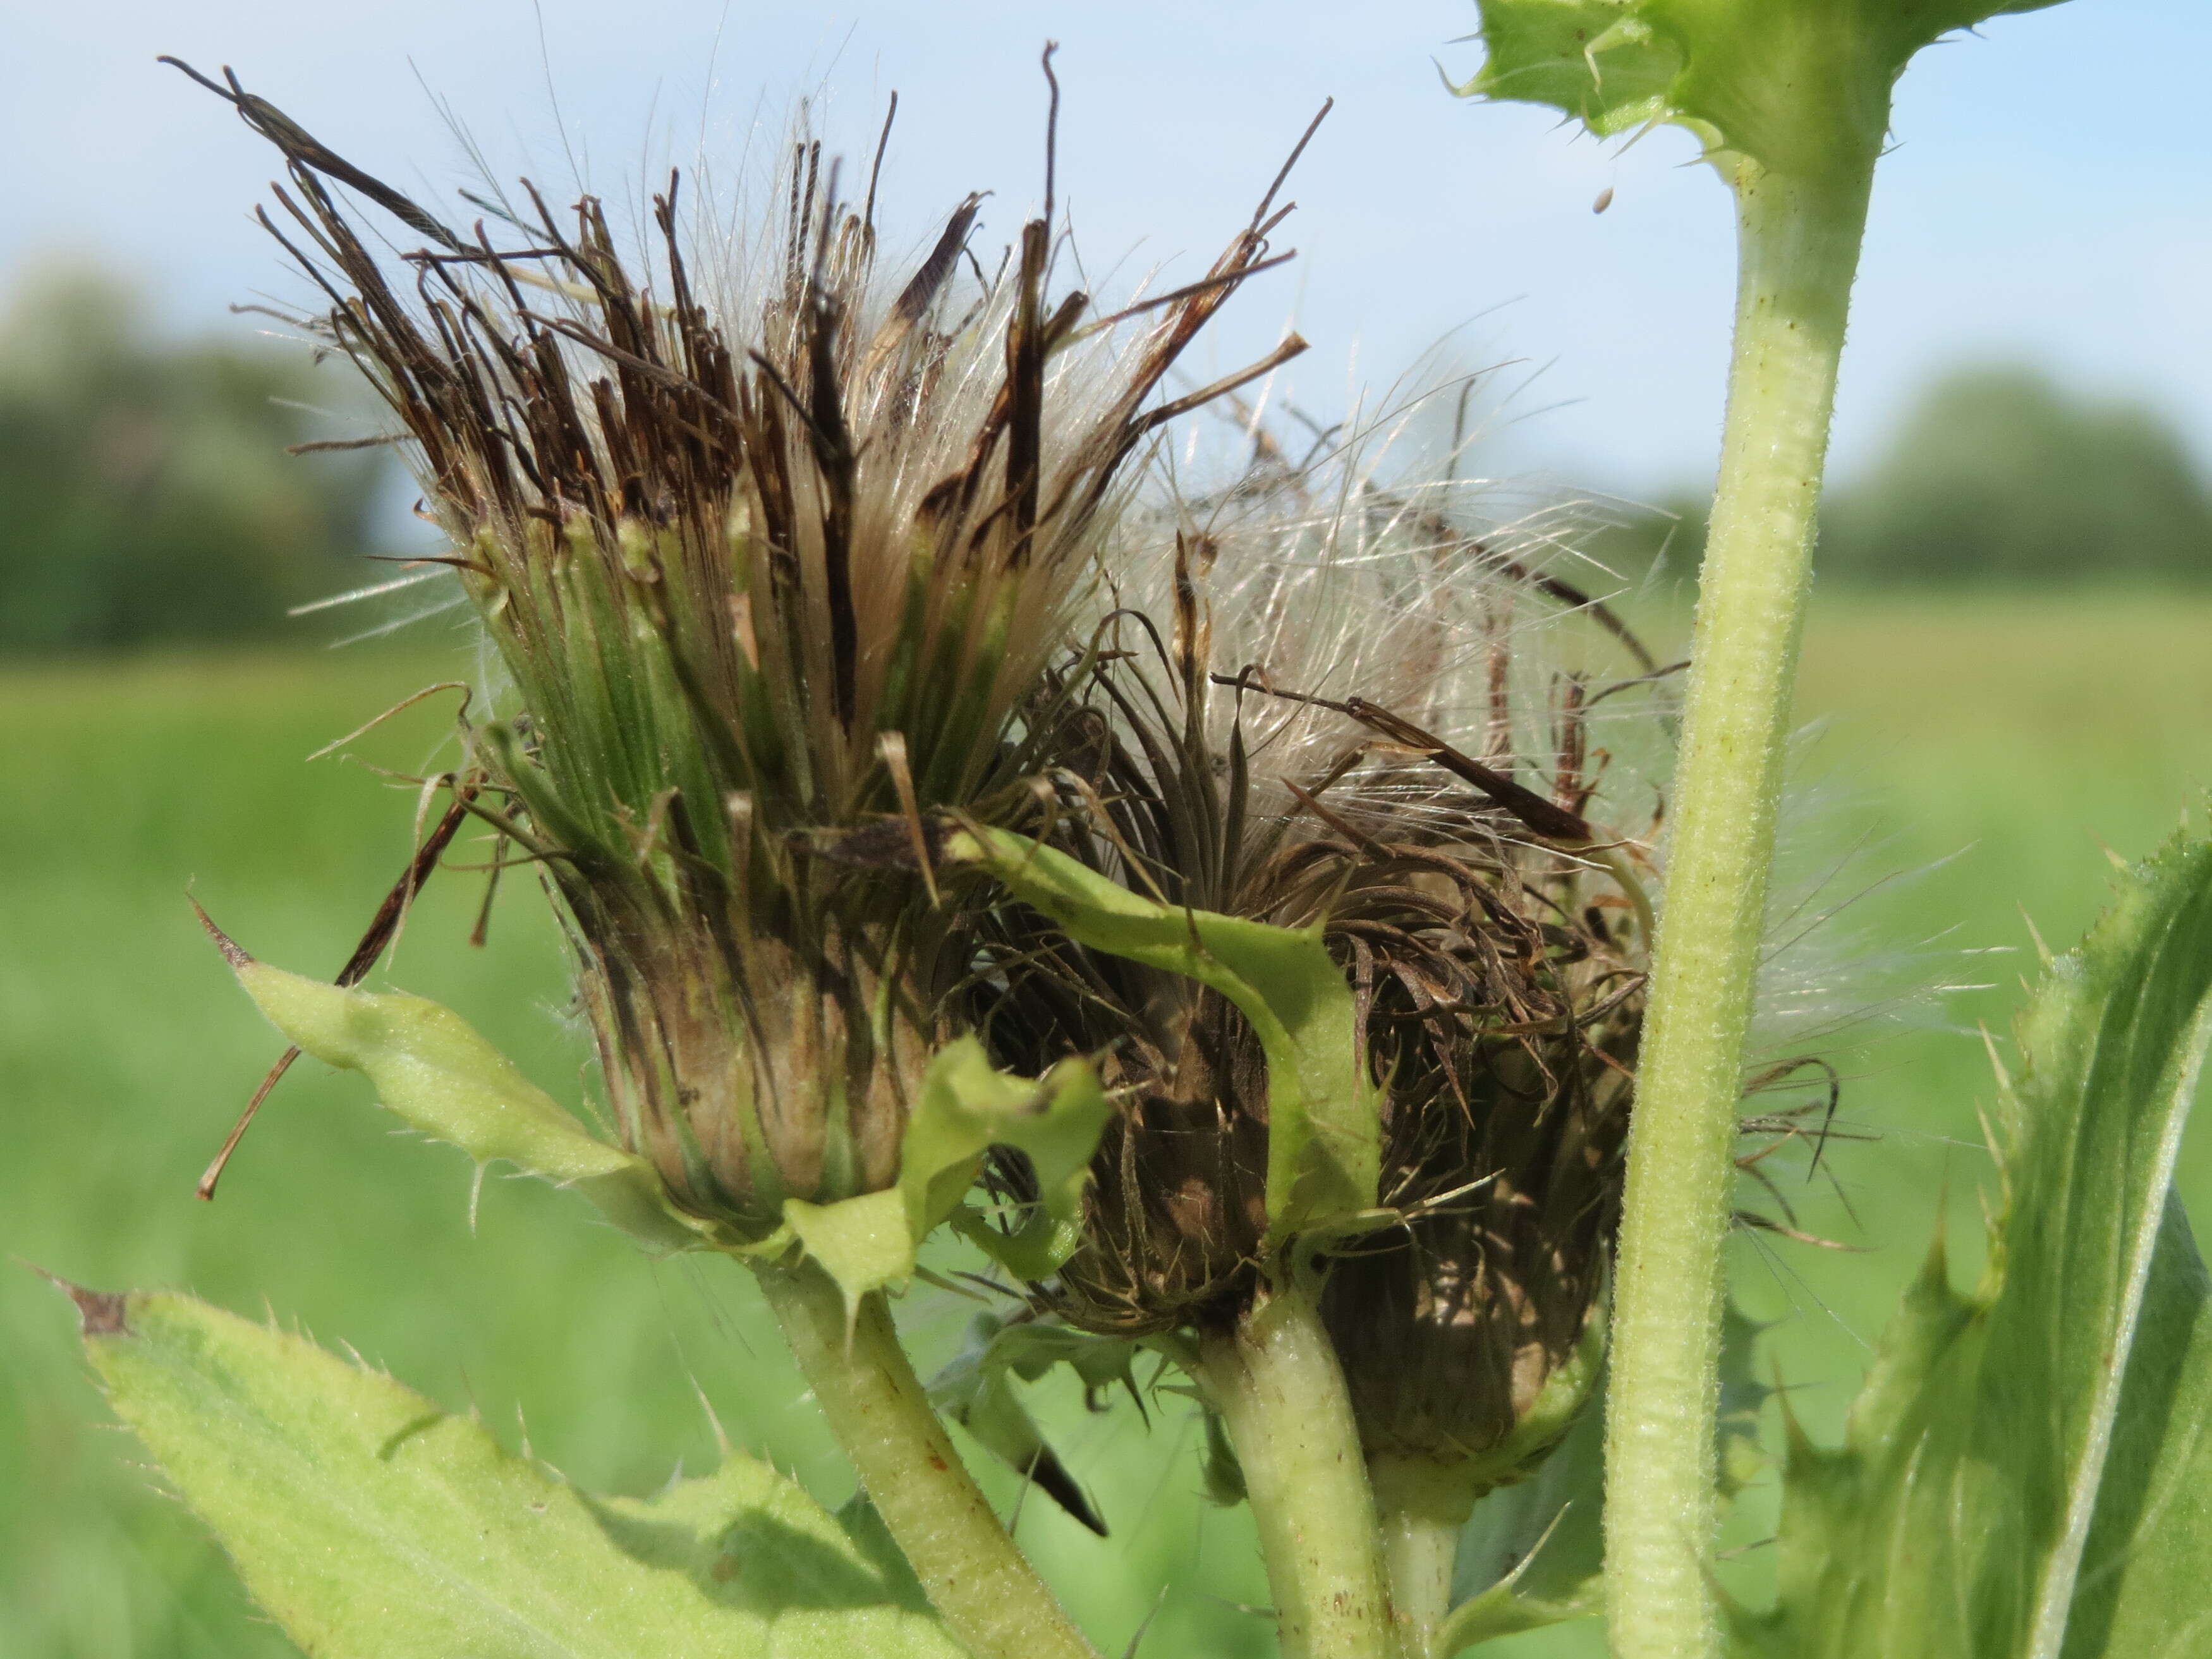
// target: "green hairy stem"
[[1799, 251], [1277, 1384], [988, 1595], [1791, 101]]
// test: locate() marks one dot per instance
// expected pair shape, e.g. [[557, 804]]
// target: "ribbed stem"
[[1422, 1506], [988, 1595], [1799, 245], [1277, 1384]]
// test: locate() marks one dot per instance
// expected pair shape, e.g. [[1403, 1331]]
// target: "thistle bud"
[[772, 552]]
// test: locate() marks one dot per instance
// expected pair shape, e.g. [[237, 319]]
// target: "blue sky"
[[2050, 196]]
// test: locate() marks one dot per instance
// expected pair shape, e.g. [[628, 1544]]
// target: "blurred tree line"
[[1999, 476], [145, 493]]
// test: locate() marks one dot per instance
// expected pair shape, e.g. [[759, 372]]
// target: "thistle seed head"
[[1315, 709], [770, 555]]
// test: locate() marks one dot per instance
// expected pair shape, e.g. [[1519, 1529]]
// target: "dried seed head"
[[1313, 710], [770, 554]]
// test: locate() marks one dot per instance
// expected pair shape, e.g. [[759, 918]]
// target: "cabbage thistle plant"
[[1231, 917]]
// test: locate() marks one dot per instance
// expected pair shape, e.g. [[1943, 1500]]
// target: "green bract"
[[432, 1068], [1532, 1554], [1799, 86], [1324, 1132], [963, 1108], [976, 1390]]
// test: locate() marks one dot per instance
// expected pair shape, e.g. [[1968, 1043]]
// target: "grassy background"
[[2019, 735]]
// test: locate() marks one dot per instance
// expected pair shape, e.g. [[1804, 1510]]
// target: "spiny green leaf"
[[1600, 61], [1030, 1348], [864, 1242], [1324, 1132], [431, 1067], [1802, 85], [373, 1525], [2023, 1476], [1505, 1609], [2141, 1587]]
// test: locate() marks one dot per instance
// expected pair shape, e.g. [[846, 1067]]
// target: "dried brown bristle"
[[771, 554], [1499, 1021], [382, 927]]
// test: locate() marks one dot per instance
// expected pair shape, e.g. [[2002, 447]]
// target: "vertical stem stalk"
[[1798, 252], [1422, 1504], [989, 1595], [1277, 1384]]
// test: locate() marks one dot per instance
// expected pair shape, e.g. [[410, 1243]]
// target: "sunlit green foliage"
[[375, 1524], [127, 1050]]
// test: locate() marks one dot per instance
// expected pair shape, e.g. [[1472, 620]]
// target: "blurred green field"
[[2022, 736]]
